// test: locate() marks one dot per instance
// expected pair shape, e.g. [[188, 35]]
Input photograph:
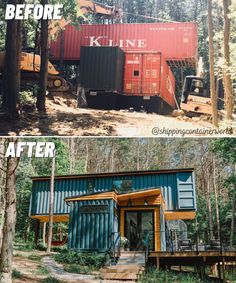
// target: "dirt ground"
[[63, 118], [28, 268], [32, 268]]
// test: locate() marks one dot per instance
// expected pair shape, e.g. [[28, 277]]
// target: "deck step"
[[125, 275], [130, 266]]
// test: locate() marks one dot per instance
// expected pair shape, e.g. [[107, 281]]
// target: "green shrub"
[[34, 257], [231, 276], [16, 274], [84, 259], [26, 97], [153, 275], [24, 246], [41, 247], [51, 280], [75, 268], [60, 249], [41, 270]]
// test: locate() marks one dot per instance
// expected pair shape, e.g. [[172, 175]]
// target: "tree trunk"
[[9, 221], [2, 199], [111, 157], [233, 214], [72, 154], [43, 75], [212, 64], [86, 157], [138, 155], [11, 75], [209, 208], [216, 199], [51, 203], [227, 80]]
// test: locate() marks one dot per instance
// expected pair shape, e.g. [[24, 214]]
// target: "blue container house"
[[130, 204]]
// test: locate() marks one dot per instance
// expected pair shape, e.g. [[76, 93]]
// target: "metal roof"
[[107, 174]]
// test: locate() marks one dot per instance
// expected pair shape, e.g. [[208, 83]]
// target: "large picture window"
[[123, 186]]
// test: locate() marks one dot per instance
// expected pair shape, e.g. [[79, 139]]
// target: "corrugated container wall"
[[101, 68], [91, 231], [177, 41], [147, 74], [178, 190]]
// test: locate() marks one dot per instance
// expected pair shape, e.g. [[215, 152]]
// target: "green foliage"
[[225, 148], [51, 280], [153, 275], [231, 276], [21, 246], [41, 270], [34, 256], [16, 274], [26, 98], [84, 259], [80, 269]]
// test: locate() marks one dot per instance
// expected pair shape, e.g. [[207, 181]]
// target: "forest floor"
[[63, 118], [36, 266]]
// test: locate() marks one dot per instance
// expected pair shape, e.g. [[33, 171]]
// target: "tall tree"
[[9, 220], [212, 65], [43, 75], [227, 80], [2, 199], [12, 73], [51, 204]]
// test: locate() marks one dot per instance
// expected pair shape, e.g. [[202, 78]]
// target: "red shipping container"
[[178, 42], [147, 74]]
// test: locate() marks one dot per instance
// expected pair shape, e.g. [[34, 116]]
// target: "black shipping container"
[[101, 68]]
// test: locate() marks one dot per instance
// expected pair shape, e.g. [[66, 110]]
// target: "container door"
[[186, 191], [133, 74], [151, 74], [137, 225]]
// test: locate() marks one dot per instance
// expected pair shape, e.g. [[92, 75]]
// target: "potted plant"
[[124, 243]]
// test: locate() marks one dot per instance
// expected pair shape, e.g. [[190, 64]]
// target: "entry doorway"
[[137, 225]]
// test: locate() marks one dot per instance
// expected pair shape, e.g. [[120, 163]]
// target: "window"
[[123, 186], [136, 73], [91, 186]]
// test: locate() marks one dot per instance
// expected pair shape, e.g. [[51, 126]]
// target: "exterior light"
[[145, 202]]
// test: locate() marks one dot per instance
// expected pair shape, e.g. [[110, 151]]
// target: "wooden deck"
[[192, 258]]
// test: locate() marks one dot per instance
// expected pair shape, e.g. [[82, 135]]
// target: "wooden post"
[[223, 269], [219, 270], [158, 263], [44, 233], [36, 231]]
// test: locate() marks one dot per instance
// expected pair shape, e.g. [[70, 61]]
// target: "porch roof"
[[119, 197]]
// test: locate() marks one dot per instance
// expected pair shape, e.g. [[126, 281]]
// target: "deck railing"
[[177, 241], [115, 245]]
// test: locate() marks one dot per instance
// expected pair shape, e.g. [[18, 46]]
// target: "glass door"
[[137, 225]]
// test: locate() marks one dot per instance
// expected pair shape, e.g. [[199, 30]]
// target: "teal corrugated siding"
[[73, 187], [91, 231]]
